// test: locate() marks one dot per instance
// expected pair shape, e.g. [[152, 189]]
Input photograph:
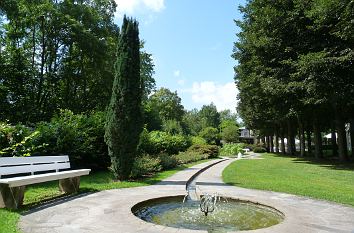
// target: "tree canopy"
[[295, 67], [59, 55]]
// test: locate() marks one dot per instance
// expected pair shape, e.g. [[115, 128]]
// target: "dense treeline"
[[55, 54], [295, 72], [58, 55], [62, 61]]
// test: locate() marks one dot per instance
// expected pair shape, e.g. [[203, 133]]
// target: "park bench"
[[246, 150], [17, 172]]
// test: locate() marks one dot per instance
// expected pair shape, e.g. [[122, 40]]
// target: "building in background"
[[246, 135]]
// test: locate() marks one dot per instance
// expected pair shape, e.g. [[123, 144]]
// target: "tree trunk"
[[282, 142], [317, 139], [271, 144], [302, 139], [309, 148], [268, 144], [334, 140], [41, 77], [290, 139], [342, 139], [293, 145], [277, 141], [33, 46], [351, 130]]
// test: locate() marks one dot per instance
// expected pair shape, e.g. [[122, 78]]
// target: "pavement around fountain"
[[110, 211]]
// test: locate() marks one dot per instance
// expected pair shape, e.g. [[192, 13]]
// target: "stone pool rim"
[[156, 200]]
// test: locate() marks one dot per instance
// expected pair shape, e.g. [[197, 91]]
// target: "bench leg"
[[11, 197], [70, 185]]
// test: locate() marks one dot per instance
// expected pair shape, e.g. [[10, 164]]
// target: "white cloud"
[[181, 82], [126, 6], [130, 6], [222, 95], [176, 73], [155, 5]]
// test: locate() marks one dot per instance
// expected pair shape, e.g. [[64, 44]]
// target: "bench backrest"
[[19, 165]]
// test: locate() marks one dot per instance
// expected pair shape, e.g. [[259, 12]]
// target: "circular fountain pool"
[[229, 214]]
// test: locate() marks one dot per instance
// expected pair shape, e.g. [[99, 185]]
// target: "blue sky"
[[191, 42]]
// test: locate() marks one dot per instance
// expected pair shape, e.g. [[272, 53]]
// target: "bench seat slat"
[[33, 168], [33, 179], [10, 161]]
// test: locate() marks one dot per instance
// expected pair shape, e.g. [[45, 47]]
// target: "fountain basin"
[[229, 215]]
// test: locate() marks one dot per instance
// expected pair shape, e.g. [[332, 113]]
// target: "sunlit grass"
[[326, 180]]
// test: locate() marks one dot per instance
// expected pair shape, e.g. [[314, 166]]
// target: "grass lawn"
[[326, 180], [39, 193]]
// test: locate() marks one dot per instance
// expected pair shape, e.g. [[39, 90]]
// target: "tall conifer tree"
[[124, 117]]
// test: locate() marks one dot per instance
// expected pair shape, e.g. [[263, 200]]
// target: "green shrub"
[[211, 135], [11, 135], [24, 148], [242, 145], [161, 142], [172, 127], [168, 161], [230, 149], [259, 150], [190, 156], [230, 134], [79, 136], [145, 165], [211, 151], [196, 140]]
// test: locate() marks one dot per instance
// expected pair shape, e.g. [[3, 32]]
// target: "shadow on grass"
[[330, 163]]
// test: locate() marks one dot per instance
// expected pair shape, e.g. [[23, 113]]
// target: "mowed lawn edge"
[[96, 181], [326, 180]]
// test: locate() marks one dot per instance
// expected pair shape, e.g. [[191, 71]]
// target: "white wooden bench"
[[246, 150], [32, 170]]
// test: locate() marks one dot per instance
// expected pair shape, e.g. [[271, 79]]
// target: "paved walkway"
[[110, 211]]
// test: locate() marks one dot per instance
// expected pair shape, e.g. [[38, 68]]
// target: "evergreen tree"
[[124, 121]]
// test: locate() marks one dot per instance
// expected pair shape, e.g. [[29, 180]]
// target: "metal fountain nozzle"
[[207, 204]]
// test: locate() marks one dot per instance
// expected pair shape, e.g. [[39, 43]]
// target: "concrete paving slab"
[[110, 211]]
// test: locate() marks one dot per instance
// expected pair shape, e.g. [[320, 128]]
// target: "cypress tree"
[[124, 120]]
